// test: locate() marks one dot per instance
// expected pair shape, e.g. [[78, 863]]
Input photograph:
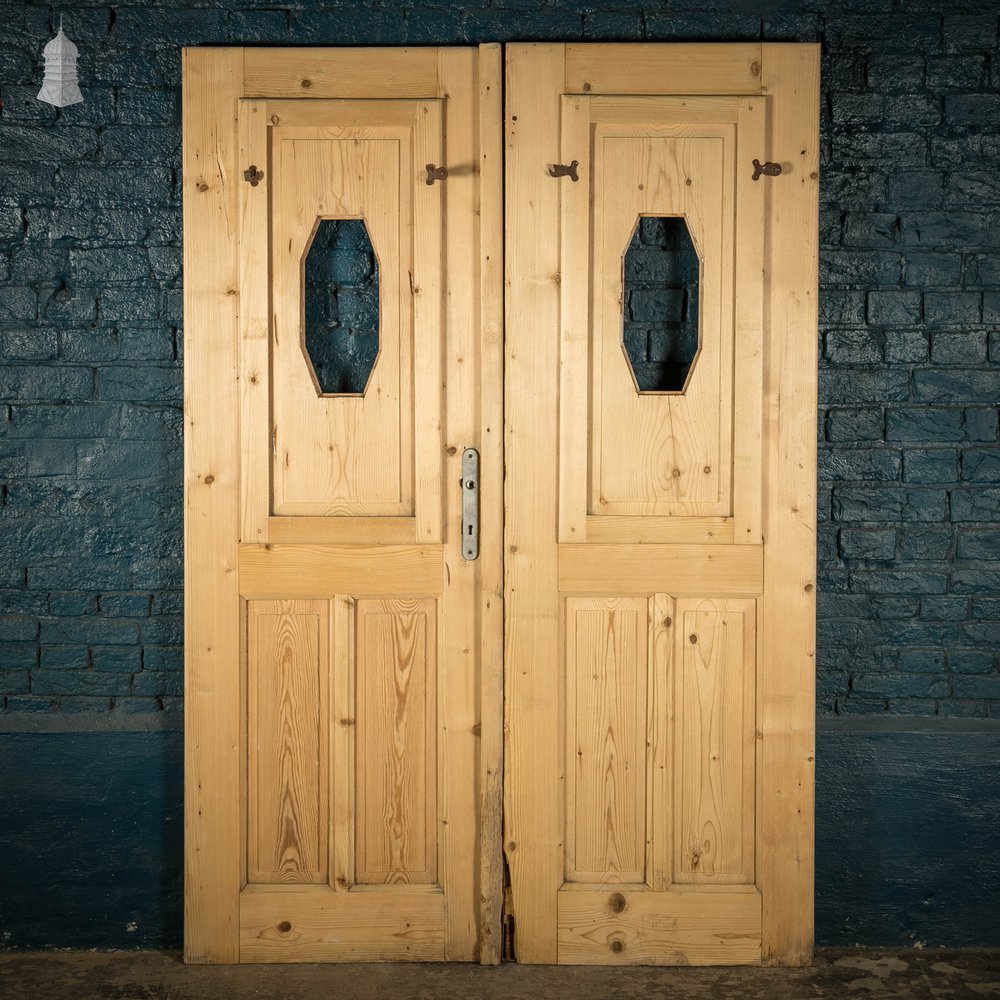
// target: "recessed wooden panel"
[[287, 759], [665, 452], [606, 658], [683, 453], [396, 795], [714, 761]]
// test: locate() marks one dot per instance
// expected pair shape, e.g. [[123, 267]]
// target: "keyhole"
[[470, 529]]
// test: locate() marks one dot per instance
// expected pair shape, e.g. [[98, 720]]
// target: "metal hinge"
[[565, 170], [436, 174], [767, 169]]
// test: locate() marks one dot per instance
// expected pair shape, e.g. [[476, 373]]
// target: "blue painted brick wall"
[[909, 500]]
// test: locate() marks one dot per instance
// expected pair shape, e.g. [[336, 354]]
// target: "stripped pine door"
[[342, 350], [652, 598], [660, 470]]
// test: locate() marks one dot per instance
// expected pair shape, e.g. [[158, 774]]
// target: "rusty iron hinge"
[[436, 174], [565, 170], [768, 169]]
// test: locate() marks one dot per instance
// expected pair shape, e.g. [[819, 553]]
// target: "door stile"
[[575, 305], [748, 325], [255, 307], [491, 508], [787, 718], [459, 740], [213, 84], [533, 778]]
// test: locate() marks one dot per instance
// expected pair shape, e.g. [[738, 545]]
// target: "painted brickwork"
[[909, 613], [90, 316]]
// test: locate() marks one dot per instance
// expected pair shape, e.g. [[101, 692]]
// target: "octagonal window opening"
[[340, 272], [660, 331]]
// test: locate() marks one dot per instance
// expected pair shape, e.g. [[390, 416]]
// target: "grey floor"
[[943, 975]]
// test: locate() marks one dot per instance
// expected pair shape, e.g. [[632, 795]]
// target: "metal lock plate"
[[470, 504]]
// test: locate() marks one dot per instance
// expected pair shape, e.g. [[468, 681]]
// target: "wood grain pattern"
[[574, 321], [458, 740], [625, 528], [341, 72], [343, 742], [660, 722], [688, 110], [533, 824], [341, 530], [255, 325], [680, 927], [433, 328], [314, 923], [715, 732], [606, 713], [663, 453], [288, 672], [683, 68], [298, 570], [396, 794], [212, 84], [787, 713], [491, 511], [748, 388], [675, 569]]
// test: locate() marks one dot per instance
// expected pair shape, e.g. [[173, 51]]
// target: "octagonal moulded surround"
[[661, 332], [341, 306]]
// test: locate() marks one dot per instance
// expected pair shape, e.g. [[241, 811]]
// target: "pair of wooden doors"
[[594, 737]]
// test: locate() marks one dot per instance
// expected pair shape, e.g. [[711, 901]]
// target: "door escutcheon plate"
[[470, 504]]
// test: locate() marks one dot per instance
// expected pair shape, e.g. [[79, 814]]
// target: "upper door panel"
[[340, 431], [661, 457]]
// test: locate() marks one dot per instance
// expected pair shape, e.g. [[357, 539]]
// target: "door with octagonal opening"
[[499, 585]]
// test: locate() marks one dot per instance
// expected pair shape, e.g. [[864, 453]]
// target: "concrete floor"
[[915, 975]]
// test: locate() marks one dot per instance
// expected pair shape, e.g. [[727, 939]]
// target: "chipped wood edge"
[[491, 500]]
